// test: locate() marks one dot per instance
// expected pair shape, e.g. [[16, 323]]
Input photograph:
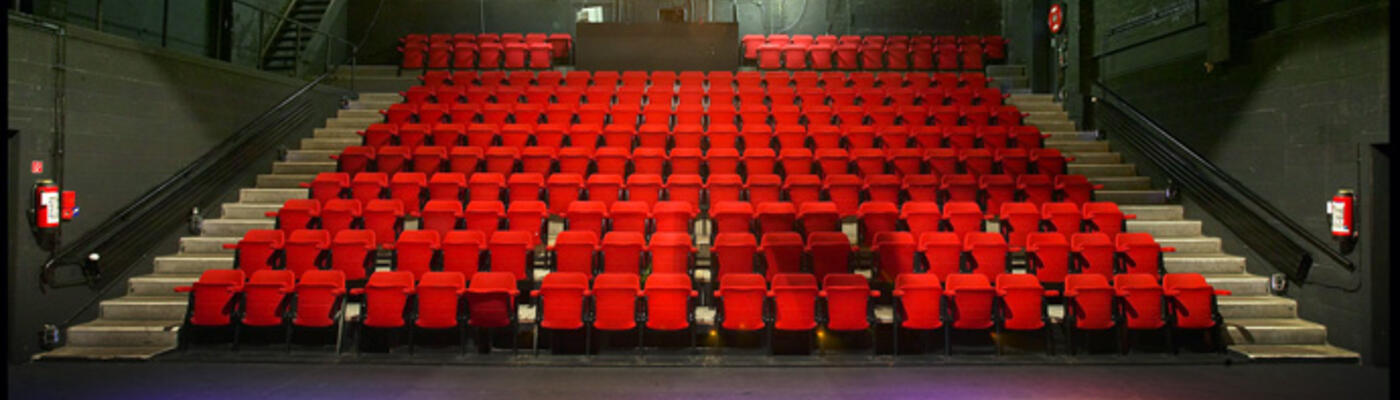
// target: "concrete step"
[[357, 123], [1166, 212], [1051, 116], [1077, 145], [159, 284], [192, 263], [1094, 157], [335, 133], [206, 244], [1294, 352], [311, 155], [1052, 125], [1012, 84], [333, 144], [1092, 170], [124, 333], [1032, 106], [303, 167], [249, 210], [1192, 245], [1123, 182], [1292, 331], [1232, 307], [1167, 229], [283, 181], [1035, 97], [371, 105], [1240, 284], [135, 353], [1122, 197], [393, 97], [1067, 135], [224, 227], [358, 113], [1203, 263], [277, 196], [1003, 70], [146, 308]]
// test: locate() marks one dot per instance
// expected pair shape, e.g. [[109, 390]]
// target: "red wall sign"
[[1057, 18]]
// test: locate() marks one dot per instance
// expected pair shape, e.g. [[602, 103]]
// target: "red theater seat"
[[940, 253], [829, 253], [1089, 306], [986, 254], [921, 216], [1139, 253], [604, 188], [1105, 217], [484, 216], [741, 302], [575, 252], [623, 252], [1091, 253], [971, 301], [416, 252], [353, 253], [894, 254], [562, 299], [1048, 257], [629, 216], [441, 216]]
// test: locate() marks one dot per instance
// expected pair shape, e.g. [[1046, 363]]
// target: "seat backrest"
[[623, 252], [1142, 300], [847, 301], [942, 252], [795, 297], [668, 301], [987, 254], [973, 298], [1089, 301], [920, 299], [671, 252], [386, 298], [318, 294], [742, 296], [615, 305], [894, 252], [1192, 300], [511, 252], [562, 297], [213, 296], [783, 252], [829, 252], [491, 299], [438, 296], [734, 253], [1022, 299]]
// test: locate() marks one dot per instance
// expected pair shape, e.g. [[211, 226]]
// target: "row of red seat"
[[657, 97], [915, 220], [872, 52], [486, 51], [546, 161], [747, 302], [704, 79], [823, 141], [718, 116]]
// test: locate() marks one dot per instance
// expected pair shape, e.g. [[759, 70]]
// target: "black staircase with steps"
[[289, 40]]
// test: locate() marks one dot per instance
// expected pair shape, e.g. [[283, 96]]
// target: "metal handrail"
[[282, 20], [295, 22], [197, 183], [1201, 167]]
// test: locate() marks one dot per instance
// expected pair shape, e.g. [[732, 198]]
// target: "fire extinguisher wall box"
[[70, 205]]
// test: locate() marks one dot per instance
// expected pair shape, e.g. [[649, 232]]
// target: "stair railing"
[[1274, 235], [303, 33]]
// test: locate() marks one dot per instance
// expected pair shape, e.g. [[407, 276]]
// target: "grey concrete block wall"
[[134, 114], [1292, 115]]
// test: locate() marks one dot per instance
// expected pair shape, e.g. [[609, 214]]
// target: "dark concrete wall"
[[1292, 114], [399, 17], [134, 114], [396, 18]]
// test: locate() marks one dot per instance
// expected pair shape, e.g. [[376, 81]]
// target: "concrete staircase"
[[1261, 325], [144, 322]]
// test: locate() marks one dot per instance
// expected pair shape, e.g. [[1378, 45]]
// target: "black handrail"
[[1240, 213], [129, 234]]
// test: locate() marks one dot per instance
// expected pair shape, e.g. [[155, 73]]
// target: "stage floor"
[[181, 379]]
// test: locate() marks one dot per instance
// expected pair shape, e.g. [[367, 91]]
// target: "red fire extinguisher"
[[47, 207], [1342, 207]]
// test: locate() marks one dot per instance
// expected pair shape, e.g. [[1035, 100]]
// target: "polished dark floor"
[[278, 381]]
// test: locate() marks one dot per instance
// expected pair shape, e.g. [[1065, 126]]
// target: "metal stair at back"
[[280, 52]]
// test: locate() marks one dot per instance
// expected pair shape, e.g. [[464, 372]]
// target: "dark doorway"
[[1378, 202]]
